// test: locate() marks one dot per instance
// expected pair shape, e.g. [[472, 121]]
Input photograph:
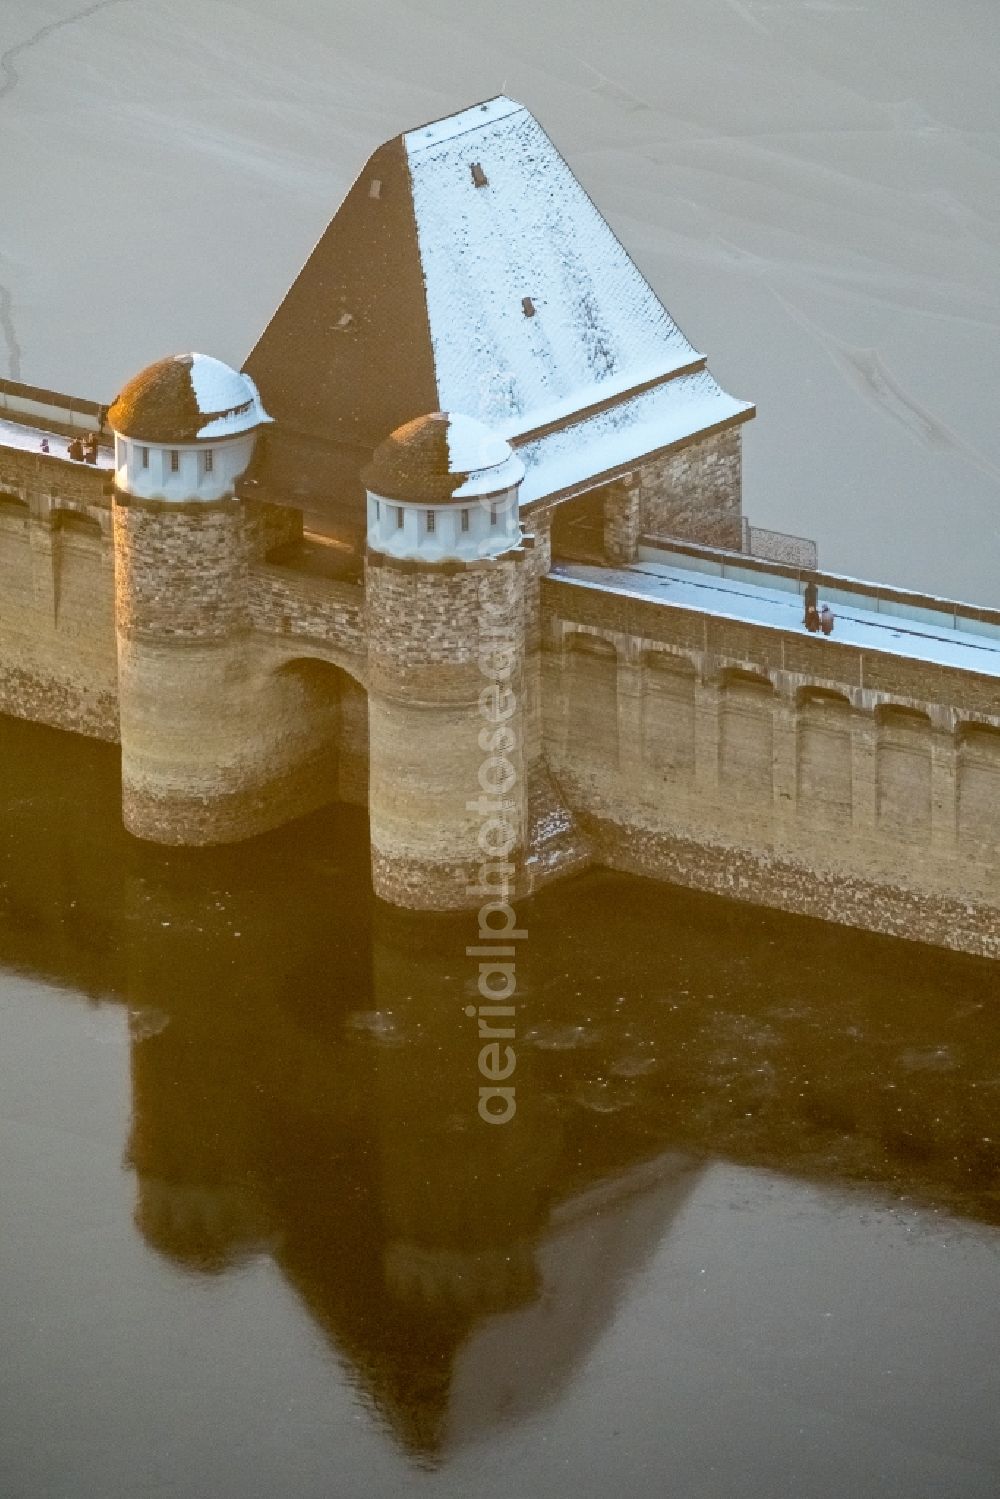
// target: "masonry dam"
[[277, 590], [675, 719]]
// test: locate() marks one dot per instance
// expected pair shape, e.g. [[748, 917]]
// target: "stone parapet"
[[287, 602], [789, 657], [42, 480]]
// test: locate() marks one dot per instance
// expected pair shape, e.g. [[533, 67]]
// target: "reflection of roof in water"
[[266, 1121]]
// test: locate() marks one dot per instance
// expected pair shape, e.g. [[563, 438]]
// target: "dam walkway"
[[872, 617]]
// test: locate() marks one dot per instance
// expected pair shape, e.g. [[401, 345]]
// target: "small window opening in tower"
[[479, 177], [494, 514], [175, 461], [527, 307], [465, 520], [399, 517], [378, 509], [145, 457], [431, 520], [209, 458], [375, 188]]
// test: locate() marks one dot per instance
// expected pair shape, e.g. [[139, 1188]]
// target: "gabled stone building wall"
[[695, 491]]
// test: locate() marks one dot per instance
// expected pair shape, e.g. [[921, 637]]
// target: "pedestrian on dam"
[[75, 449], [811, 602], [44, 444], [826, 619]]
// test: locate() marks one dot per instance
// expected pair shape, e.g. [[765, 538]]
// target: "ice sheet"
[[811, 186]]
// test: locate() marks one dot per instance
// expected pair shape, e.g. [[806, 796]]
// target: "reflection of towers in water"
[[305, 1079], [463, 1201], [494, 1227], [337, 1131], [228, 983]]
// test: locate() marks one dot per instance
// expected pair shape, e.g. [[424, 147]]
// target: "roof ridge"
[[412, 143]]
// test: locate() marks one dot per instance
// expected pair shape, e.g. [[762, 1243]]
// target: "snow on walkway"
[[29, 440], [735, 598]]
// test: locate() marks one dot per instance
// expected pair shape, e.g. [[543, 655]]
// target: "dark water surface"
[[740, 1238]]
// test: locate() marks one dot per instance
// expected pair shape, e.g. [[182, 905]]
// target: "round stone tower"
[[185, 430], [444, 596]]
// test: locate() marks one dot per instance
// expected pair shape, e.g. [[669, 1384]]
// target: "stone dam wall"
[[58, 662], [751, 760], [777, 768]]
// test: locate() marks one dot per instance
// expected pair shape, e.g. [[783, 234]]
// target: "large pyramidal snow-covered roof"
[[468, 271], [530, 231]]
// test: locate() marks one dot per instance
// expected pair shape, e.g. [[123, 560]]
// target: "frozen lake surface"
[[812, 187]]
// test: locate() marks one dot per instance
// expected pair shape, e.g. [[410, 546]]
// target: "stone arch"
[[903, 772], [823, 741], [75, 520], [979, 789], [668, 715], [746, 733], [592, 698], [13, 505], [70, 522], [323, 714]]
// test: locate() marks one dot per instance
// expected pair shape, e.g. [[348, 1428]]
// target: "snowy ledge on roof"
[[467, 119], [614, 439], [773, 609], [227, 396], [472, 445], [493, 480], [655, 371]]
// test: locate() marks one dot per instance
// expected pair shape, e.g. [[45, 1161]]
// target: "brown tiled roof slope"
[[466, 270], [347, 356], [159, 404], [415, 463]]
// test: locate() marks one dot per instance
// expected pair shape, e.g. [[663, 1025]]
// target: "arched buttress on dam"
[[979, 788]]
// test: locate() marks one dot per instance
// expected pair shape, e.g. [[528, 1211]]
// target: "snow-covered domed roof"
[[187, 398], [442, 457]]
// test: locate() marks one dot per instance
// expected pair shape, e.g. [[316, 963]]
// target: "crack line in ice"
[[875, 383], [10, 78], [10, 334]]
